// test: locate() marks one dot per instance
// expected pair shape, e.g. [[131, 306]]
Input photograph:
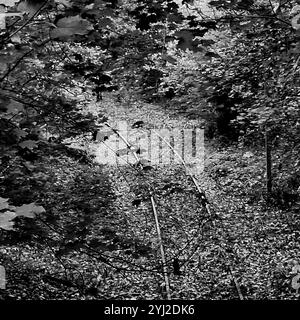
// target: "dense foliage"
[[234, 63]]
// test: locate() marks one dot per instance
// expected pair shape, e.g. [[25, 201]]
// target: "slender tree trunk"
[[268, 162]]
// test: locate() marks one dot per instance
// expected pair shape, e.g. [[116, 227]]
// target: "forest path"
[[240, 245], [189, 233]]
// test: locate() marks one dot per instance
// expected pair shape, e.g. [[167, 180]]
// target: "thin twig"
[[20, 60], [26, 23], [206, 205], [162, 251], [238, 288]]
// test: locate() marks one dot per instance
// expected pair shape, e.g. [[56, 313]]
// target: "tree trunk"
[[268, 163]]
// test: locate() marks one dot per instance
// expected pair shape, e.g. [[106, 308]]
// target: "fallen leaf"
[[29, 210]]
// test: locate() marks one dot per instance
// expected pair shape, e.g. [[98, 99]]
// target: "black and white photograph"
[[149, 152]]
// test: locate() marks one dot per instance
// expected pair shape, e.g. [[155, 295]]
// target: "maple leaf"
[[69, 26]]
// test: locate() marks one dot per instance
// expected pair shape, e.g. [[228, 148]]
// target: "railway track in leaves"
[[172, 258]]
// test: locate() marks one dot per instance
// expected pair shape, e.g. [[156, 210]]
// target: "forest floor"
[[102, 241]]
